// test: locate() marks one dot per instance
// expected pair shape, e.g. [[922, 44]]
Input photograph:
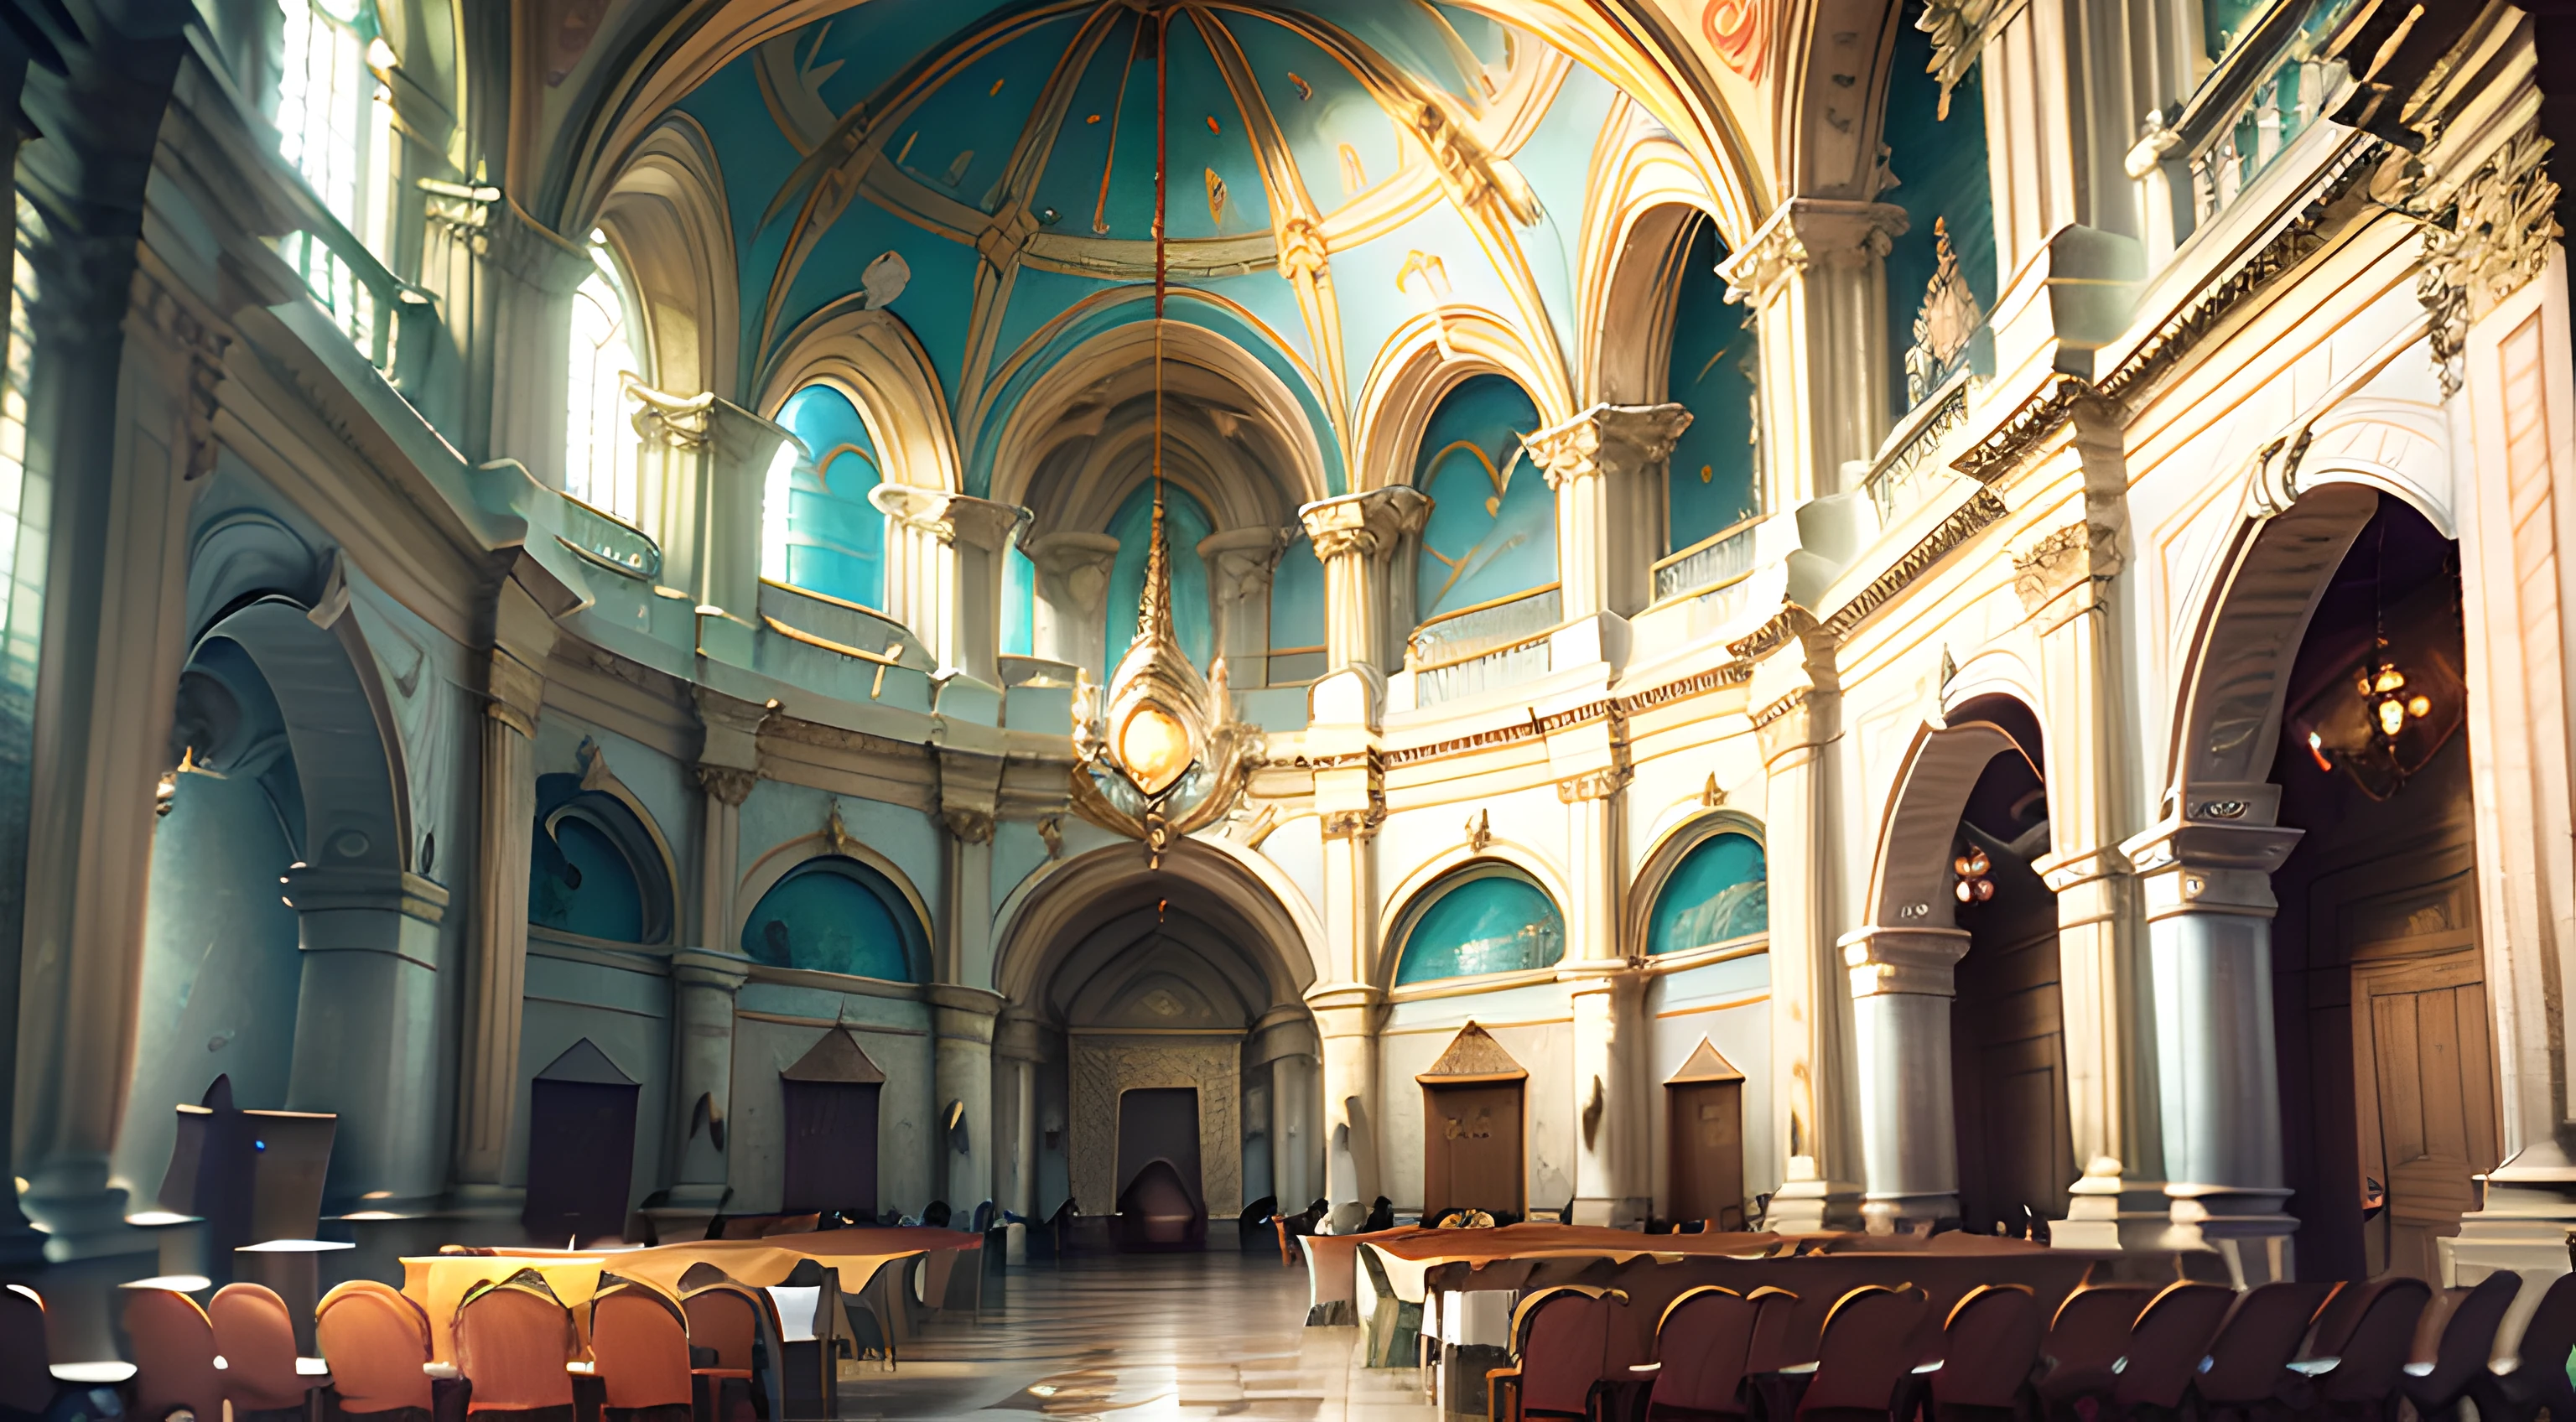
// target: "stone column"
[[1239, 563], [506, 285], [673, 434], [962, 1074], [703, 985], [2064, 580], [728, 768], [944, 557], [1283, 1050], [1797, 716], [370, 1052], [2207, 884], [1603, 465], [1017, 1046], [1352, 534], [1071, 624], [488, 1065], [1816, 280], [1902, 987]]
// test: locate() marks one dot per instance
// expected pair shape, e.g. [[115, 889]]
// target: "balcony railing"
[[608, 541], [1484, 647], [1716, 562], [2269, 89], [1906, 469], [393, 322]]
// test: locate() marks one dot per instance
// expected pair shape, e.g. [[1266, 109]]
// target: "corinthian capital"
[[1616, 440], [1808, 232], [950, 518], [1364, 523]]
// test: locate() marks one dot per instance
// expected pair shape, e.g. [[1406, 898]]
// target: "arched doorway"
[[1163, 1040]]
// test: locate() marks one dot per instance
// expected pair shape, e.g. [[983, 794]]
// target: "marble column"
[[370, 941], [1605, 465], [703, 987], [961, 1031], [1239, 563], [1797, 717], [496, 975], [1816, 278], [1019, 1051], [1283, 1052], [2064, 580], [1352, 536], [1071, 624], [1902, 988], [944, 566], [2207, 885], [505, 286], [1604, 993]]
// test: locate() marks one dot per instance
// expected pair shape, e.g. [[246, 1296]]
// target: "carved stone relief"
[[1105, 1067]]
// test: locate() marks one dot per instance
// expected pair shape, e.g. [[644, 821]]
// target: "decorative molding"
[[1959, 31], [1786, 625], [205, 346], [1595, 784], [1806, 232], [728, 783], [971, 826], [1616, 440], [2060, 560], [1947, 319], [1364, 523], [1356, 824], [2495, 237], [1480, 831], [1965, 522], [516, 692], [1302, 250], [681, 422]]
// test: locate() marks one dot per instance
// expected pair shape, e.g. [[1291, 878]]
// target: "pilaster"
[[1815, 275], [1354, 536], [944, 565], [1603, 465]]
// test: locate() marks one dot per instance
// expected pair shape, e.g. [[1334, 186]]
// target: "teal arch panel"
[[1185, 522], [1019, 603], [836, 915], [1719, 892], [1297, 600], [579, 879], [828, 538], [1492, 530], [1479, 920], [1710, 482], [1940, 167]]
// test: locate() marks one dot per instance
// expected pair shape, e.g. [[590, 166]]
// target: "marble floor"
[[1208, 1335]]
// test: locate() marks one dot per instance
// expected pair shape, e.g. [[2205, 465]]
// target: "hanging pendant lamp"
[[1160, 755]]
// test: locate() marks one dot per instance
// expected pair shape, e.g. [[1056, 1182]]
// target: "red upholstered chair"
[[2359, 1379], [2248, 1374], [1700, 1349], [512, 1341], [2166, 1346], [26, 1359], [1991, 1344], [174, 1357], [725, 1319], [2539, 1375], [2467, 1343], [376, 1339], [2087, 1337], [256, 1336], [639, 1344], [1560, 1337], [1776, 1344], [1860, 1356]]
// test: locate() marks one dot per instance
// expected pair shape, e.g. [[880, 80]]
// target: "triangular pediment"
[[584, 1061], [1474, 1055], [1705, 1064], [835, 1056]]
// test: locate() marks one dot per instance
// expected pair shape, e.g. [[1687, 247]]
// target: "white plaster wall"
[[1729, 1003], [1535, 1026]]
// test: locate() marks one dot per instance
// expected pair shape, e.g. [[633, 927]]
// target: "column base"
[[2105, 1212], [1808, 1204], [2247, 1228], [2526, 1222], [1615, 1211], [83, 1223]]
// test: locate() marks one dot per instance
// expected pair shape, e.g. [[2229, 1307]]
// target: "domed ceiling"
[[986, 174]]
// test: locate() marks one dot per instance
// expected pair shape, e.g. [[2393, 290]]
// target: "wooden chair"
[[2247, 1373], [1857, 1371], [2166, 1346], [27, 1384], [256, 1336], [2539, 1377], [174, 1356], [1776, 1344], [1559, 1338], [730, 1321], [2086, 1340], [512, 1341], [639, 1346], [2358, 1380], [1701, 1345], [1991, 1343], [376, 1340], [811, 1339], [2460, 1357]]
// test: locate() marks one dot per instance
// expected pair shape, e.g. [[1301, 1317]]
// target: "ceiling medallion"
[[1161, 755]]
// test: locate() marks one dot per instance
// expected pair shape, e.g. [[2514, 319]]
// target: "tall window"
[[600, 454], [819, 531], [335, 124], [26, 500]]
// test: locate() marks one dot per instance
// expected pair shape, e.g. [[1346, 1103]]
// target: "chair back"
[[256, 1335], [2551, 1334], [375, 1340], [2373, 1352], [174, 1356], [1991, 1342], [1562, 1335], [2168, 1341], [639, 1342], [512, 1341], [1776, 1344], [1702, 1341], [2091, 1329], [1858, 1360], [726, 1318], [2468, 1342], [2259, 1338], [26, 1360]]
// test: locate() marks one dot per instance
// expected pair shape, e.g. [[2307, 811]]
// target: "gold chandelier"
[[1161, 755]]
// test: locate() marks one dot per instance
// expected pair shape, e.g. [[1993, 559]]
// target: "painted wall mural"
[[1484, 918], [1712, 479], [837, 915], [820, 533], [1492, 530], [1718, 893]]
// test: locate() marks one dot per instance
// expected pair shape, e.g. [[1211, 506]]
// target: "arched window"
[[1484, 918], [1297, 615], [1720, 892], [1019, 603], [593, 869], [1710, 481], [600, 445], [1184, 524], [1492, 530], [335, 125], [837, 915], [1941, 273], [820, 533]]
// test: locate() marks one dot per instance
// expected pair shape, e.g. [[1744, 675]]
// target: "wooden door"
[[2424, 1075], [1704, 1135], [1471, 1149]]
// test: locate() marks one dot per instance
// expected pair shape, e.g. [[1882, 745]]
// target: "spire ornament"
[[1160, 755]]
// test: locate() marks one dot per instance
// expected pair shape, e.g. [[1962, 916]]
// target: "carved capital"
[[180, 327], [1912, 960], [1364, 523], [1593, 785], [681, 422], [970, 826], [1240, 560], [2495, 237], [1785, 725], [2076, 554], [1354, 824], [950, 518], [1806, 233], [1073, 568], [1614, 440], [729, 783], [516, 692]]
